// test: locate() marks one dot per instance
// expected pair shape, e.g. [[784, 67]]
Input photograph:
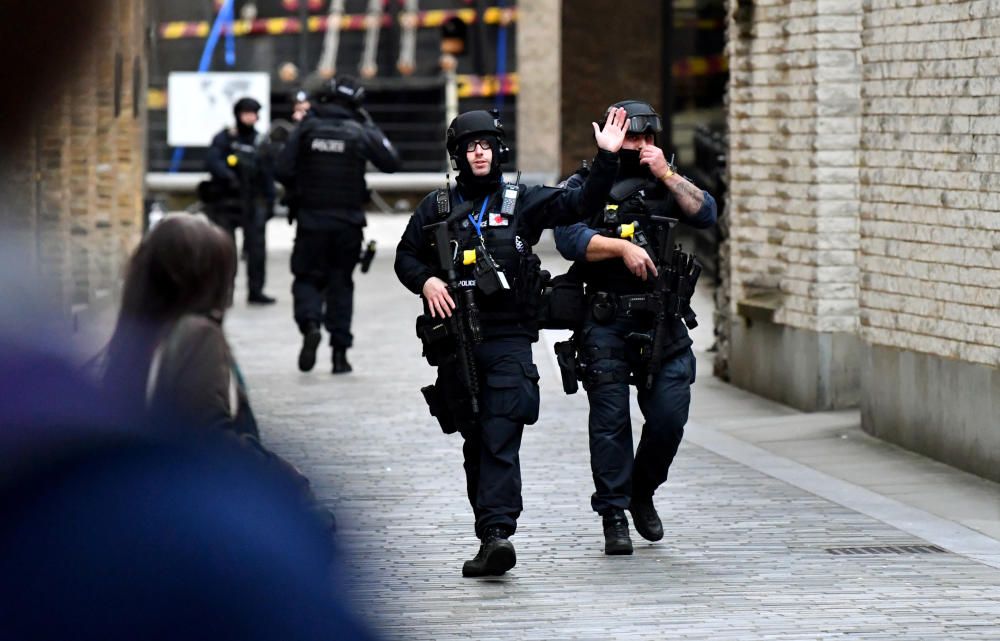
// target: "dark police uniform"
[[608, 358], [508, 378], [323, 168], [243, 193]]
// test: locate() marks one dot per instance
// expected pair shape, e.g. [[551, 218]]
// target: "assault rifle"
[[677, 274], [449, 343]]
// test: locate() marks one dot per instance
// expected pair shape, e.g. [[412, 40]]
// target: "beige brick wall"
[[865, 169], [794, 122], [72, 189], [930, 158], [539, 62]]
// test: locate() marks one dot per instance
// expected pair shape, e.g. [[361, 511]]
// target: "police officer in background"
[[323, 170], [619, 274], [485, 229], [241, 191]]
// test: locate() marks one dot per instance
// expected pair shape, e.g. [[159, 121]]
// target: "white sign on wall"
[[201, 104]]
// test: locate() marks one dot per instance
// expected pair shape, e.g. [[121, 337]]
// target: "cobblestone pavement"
[[745, 554]]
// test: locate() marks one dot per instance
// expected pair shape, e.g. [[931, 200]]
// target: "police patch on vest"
[[327, 145]]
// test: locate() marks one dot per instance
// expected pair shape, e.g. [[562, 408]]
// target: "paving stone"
[[744, 556]]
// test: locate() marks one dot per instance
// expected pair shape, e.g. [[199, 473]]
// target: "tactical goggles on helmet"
[[645, 124]]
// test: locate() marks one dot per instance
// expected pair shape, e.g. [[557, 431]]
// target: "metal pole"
[[450, 65], [303, 37]]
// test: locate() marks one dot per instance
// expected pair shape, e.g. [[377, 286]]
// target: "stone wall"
[[930, 229], [794, 131], [539, 114], [930, 157], [72, 184], [865, 231]]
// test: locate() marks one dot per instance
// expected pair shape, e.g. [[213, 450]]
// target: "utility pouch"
[[489, 278], [439, 409], [603, 307], [434, 335], [566, 357], [564, 305]]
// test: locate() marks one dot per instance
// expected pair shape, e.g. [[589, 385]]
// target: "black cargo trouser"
[[618, 474], [323, 262], [229, 218], [509, 400]]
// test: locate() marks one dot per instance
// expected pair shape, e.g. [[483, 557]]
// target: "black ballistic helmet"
[[343, 89], [643, 119], [244, 105], [474, 124]]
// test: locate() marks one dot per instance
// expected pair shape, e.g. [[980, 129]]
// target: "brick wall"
[[72, 188], [794, 107], [864, 164], [930, 178]]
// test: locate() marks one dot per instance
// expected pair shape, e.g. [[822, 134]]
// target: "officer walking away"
[[467, 251], [638, 287], [241, 191], [323, 170]]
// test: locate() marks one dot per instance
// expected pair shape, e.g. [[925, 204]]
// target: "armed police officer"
[[323, 170], [241, 191], [468, 253], [638, 289]]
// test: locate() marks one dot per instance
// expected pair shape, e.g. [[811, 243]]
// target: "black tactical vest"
[[511, 250], [633, 204], [331, 169]]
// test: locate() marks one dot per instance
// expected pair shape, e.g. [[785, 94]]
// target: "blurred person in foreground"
[[241, 191], [168, 356], [323, 170], [114, 531], [118, 525]]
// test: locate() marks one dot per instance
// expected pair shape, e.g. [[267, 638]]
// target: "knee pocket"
[[516, 395]]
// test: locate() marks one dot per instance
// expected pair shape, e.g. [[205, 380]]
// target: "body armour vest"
[[331, 167], [633, 204], [510, 250]]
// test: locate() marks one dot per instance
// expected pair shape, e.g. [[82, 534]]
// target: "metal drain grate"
[[887, 549]]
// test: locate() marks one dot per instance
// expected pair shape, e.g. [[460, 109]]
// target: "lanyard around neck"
[[478, 221]]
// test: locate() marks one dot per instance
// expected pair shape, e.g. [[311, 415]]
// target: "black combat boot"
[[616, 538], [311, 337], [260, 298], [340, 364], [646, 520], [496, 554]]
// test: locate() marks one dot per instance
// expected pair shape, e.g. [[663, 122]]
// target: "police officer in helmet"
[[241, 191], [485, 229], [323, 170], [617, 339]]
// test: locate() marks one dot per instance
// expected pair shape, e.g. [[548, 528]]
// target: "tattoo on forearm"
[[689, 197]]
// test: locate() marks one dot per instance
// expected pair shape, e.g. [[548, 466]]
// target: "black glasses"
[[483, 144]]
